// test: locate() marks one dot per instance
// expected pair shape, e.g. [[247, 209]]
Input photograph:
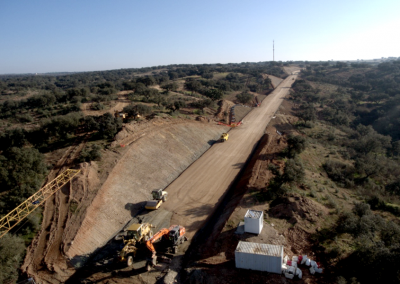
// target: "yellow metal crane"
[[28, 206]]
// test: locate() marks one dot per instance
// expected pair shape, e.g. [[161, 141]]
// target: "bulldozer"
[[134, 235], [175, 235], [159, 196], [224, 137]]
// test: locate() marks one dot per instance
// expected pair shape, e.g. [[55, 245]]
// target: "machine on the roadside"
[[159, 196], [175, 235], [135, 234], [224, 137]]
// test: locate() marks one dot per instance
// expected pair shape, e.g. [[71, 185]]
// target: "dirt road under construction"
[[194, 195]]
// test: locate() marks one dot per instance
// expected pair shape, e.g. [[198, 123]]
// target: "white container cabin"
[[253, 221], [261, 257]]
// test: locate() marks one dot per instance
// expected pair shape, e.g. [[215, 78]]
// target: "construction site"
[[167, 203]]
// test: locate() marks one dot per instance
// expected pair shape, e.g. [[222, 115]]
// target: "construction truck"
[[175, 235], [135, 234], [159, 196], [224, 137]]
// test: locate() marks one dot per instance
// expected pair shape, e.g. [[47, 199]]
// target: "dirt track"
[[194, 195]]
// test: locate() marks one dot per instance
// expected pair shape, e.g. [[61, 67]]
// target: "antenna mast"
[[273, 50]]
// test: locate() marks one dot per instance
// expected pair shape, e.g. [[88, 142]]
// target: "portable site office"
[[262, 257], [253, 221]]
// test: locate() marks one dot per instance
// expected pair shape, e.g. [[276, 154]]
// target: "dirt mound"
[[224, 108], [296, 209]]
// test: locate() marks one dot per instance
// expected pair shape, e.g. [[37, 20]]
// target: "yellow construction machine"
[[159, 196], [135, 234], [224, 137]]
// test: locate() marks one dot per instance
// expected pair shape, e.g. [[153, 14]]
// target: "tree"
[[22, 171], [159, 99], [377, 97], [371, 141], [170, 86], [296, 144], [370, 165], [12, 138], [307, 113], [267, 82], [147, 81], [244, 97], [128, 85], [92, 153], [174, 106], [202, 104], [139, 109], [207, 75], [140, 88], [149, 92], [294, 171], [214, 94], [90, 124], [12, 251], [341, 65], [192, 85], [109, 125]]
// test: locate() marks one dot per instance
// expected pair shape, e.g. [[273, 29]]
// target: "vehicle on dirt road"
[[224, 137], [135, 234], [175, 236], [159, 196]]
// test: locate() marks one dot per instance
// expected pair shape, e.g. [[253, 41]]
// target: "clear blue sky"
[[85, 35]]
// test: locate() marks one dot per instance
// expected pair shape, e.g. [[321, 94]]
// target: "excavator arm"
[[156, 237]]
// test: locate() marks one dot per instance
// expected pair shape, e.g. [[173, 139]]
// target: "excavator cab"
[[135, 234], [174, 235]]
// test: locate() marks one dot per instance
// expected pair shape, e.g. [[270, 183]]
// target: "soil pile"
[[296, 209], [224, 110]]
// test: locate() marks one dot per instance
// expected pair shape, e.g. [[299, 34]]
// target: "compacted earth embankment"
[[107, 194]]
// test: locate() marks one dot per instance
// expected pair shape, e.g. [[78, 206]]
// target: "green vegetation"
[[354, 111], [12, 251]]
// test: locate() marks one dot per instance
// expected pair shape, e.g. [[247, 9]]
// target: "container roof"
[[253, 214], [264, 249]]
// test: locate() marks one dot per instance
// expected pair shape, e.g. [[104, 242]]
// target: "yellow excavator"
[[135, 234]]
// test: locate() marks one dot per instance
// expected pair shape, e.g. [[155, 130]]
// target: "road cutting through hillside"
[[195, 194]]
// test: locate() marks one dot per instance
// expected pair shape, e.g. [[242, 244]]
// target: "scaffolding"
[[29, 205]]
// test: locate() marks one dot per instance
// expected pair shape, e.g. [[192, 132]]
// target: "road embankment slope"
[[152, 162], [194, 195]]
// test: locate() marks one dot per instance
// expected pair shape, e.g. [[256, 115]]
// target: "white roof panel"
[[253, 214], [255, 248]]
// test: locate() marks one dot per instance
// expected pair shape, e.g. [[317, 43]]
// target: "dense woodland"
[[358, 107]]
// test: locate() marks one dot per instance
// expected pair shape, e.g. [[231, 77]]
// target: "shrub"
[[244, 97], [12, 250], [294, 171], [90, 153], [296, 144], [338, 171], [97, 106]]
